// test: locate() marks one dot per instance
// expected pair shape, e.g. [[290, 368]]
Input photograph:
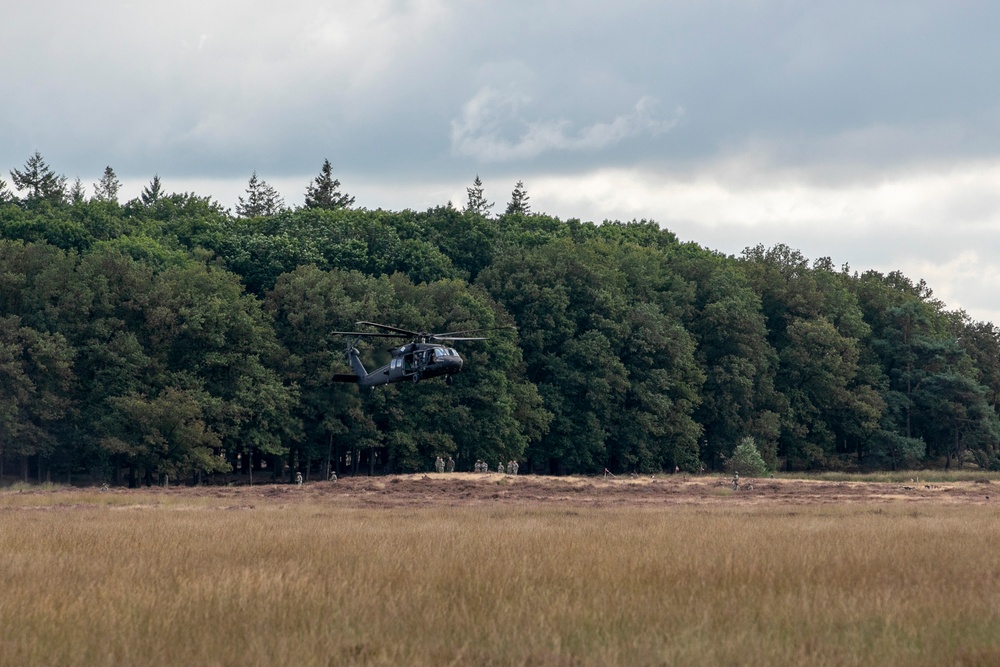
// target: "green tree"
[[261, 200], [6, 196], [106, 189], [40, 181], [151, 193], [77, 193], [616, 371], [477, 202], [828, 396], [165, 434], [518, 204], [746, 459], [739, 363], [323, 192], [210, 332], [466, 239], [35, 376]]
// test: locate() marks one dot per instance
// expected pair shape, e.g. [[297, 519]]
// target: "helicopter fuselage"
[[409, 363]]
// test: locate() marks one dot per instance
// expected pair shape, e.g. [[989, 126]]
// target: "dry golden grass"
[[143, 578]]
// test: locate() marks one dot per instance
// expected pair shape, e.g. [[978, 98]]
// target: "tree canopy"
[[168, 338]]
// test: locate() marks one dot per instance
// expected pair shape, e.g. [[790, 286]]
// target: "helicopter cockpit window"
[[452, 351]]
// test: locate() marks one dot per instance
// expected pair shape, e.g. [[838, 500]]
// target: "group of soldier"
[[440, 465], [510, 469]]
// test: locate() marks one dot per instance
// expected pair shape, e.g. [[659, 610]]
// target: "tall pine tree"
[[261, 200], [152, 192], [477, 202], [323, 191], [107, 188], [6, 196], [518, 203], [77, 193], [41, 183]]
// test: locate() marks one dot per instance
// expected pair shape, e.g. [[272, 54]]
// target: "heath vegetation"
[[316, 577]]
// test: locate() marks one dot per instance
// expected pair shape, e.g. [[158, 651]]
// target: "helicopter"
[[417, 360]]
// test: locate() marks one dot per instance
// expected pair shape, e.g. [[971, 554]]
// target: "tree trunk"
[[329, 454]]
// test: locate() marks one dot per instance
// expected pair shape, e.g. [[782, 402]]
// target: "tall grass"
[[163, 582]]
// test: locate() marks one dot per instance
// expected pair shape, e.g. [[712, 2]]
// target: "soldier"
[[298, 479], [736, 480], [439, 464], [500, 467], [333, 475], [510, 467], [451, 465], [515, 466]]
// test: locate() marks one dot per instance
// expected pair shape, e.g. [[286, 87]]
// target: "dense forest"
[[169, 338]]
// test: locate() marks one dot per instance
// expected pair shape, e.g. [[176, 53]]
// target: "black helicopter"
[[417, 360]]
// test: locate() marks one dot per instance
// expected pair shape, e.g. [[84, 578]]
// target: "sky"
[[867, 132]]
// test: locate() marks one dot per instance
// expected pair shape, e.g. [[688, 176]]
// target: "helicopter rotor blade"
[[396, 332], [370, 334], [388, 328], [447, 335]]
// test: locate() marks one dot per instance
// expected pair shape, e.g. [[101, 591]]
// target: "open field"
[[482, 569]]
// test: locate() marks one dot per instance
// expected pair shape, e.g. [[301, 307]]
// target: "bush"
[[746, 459]]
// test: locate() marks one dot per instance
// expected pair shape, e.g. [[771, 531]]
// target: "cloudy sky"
[[865, 131]]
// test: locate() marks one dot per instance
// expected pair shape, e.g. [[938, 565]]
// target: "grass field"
[[270, 576]]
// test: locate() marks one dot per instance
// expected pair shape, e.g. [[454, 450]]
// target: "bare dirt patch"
[[467, 489]]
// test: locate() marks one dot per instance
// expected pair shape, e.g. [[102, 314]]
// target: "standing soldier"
[[514, 465], [500, 467], [439, 464], [451, 465], [736, 480]]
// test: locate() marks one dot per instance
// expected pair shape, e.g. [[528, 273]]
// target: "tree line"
[[168, 338]]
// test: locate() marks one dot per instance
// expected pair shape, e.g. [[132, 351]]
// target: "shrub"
[[746, 459]]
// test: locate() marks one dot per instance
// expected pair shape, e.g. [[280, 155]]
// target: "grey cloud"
[[480, 131], [214, 87]]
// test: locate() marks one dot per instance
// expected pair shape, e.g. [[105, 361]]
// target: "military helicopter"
[[417, 360]]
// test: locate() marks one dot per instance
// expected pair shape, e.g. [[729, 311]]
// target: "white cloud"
[[489, 117], [939, 224]]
